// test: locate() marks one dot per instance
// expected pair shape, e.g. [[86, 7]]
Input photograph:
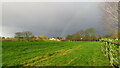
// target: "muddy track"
[[35, 60]]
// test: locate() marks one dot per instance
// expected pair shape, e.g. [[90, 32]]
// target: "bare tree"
[[109, 17], [25, 34], [87, 34], [19, 35]]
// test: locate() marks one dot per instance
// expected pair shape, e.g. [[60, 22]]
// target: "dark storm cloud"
[[51, 19]]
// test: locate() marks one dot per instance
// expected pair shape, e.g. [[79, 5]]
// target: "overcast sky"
[[50, 19], [60, 0]]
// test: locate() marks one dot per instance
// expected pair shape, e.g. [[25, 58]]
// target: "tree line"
[[83, 35], [89, 35], [27, 35]]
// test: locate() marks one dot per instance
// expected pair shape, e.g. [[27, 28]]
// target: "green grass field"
[[51, 53]]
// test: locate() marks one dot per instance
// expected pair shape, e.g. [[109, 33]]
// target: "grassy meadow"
[[53, 53]]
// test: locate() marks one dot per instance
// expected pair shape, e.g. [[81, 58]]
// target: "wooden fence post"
[[110, 50]]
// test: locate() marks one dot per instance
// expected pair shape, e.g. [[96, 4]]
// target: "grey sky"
[[51, 19]]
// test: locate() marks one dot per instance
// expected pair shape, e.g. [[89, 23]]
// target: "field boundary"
[[111, 50]]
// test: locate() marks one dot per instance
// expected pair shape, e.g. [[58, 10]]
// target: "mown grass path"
[[50, 53]]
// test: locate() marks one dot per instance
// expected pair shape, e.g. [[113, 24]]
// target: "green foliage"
[[51, 53], [111, 50], [107, 39]]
